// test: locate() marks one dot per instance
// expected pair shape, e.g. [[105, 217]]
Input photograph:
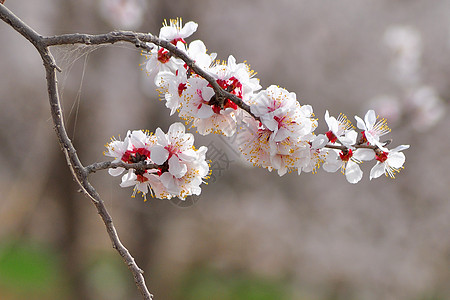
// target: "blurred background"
[[251, 234]]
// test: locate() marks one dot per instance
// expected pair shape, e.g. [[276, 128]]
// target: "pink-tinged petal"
[[188, 155], [353, 172], [377, 170], [176, 168], [176, 130], [170, 183], [360, 123], [281, 134], [205, 111], [115, 172], [207, 93], [370, 118], [396, 159], [159, 154], [269, 122], [364, 154]]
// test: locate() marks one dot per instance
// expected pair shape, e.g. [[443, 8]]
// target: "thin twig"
[[141, 40], [140, 166], [79, 172]]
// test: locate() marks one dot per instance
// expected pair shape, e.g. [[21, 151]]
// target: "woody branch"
[[79, 172]]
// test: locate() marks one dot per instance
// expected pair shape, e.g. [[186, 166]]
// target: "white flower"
[[175, 32], [160, 60], [253, 140], [199, 108], [340, 129], [134, 148], [348, 161], [389, 162], [280, 112], [372, 130], [197, 51], [172, 85], [182, 167], [140, 182]]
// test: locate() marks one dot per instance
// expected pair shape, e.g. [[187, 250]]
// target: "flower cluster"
[[171, 166], [272, 129]]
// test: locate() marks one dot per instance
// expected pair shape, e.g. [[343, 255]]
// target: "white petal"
[[115, 172], [319, 141], [161, 136], [158, 154], [176, 168], [360, 123], [370, 118], [188, 29], [396, 159], [352, 172], [128, 179], [205, 111], [281, 134], [400, 148], [364, 154], [176, 130], [377, 170]]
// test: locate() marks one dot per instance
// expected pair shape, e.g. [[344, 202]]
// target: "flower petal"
[[159, 154], [377, 170]]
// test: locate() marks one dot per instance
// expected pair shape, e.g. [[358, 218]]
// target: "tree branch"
[[79, 172], [140, 40], [108, 164]]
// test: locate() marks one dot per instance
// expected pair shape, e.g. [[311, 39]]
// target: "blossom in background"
[[388, 106], [426, 105], [125, 14], [389, 162], [405, 42]]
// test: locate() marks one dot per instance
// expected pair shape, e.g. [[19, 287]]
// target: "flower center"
[[181, 88], [163, 55], [346, 155], [381, 156], [331, 137]]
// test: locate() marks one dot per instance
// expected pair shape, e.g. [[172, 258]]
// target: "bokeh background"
[[251, 234]]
